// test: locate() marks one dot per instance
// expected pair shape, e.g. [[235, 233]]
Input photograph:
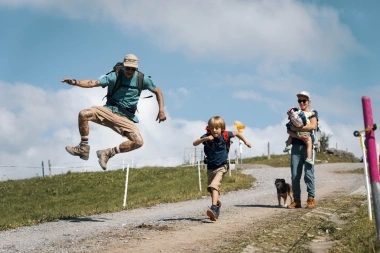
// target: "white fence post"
[[199, 176], [126, 186], [367, 185]]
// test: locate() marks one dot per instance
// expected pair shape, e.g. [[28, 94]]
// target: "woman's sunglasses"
[[129, 69], [302, 101]]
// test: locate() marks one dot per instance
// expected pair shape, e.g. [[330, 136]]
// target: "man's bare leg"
[[83, 149], [84, 117], [135, 141]]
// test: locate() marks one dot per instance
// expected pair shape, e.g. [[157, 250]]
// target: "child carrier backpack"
[[226, 138], [297, 117], [140, 81]]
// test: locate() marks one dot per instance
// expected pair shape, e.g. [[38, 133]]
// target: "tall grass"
[[36, 200]]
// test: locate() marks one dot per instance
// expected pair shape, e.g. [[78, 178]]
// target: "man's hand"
[[161, 116], [248, 144], [70, 81]]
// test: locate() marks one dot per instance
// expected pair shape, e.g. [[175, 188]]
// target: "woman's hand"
[[304, 137]]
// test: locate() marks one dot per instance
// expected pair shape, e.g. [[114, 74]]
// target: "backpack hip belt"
[[121, 108]]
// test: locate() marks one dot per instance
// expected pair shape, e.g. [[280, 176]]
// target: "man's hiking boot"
[[104, 155], [82, 150], [218, 206], [295, 204], [211, 212], [310, 202]]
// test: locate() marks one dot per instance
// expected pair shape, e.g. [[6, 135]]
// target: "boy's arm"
[[201, 140], [241, 137]]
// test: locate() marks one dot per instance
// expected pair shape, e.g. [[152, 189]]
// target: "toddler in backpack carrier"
[[299, 118]]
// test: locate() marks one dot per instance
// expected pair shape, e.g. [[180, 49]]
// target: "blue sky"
[[242, 60]]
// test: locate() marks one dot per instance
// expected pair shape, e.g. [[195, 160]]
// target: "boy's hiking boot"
[[211, 212], [310, 161], [310, 202], [287, 149], [218, 206], [295, 204], [104, 155], [82, 150]]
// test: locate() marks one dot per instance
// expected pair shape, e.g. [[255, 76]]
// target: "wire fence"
[[190, 156]]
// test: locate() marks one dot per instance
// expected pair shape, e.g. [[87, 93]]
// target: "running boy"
[[216, 146]]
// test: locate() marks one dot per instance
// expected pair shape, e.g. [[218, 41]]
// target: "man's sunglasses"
[[302, 101], [130, 69]]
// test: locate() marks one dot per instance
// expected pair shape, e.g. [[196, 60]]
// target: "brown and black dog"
[[283, 190]]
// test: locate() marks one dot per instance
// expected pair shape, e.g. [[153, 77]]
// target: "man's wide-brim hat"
[[130, 60]]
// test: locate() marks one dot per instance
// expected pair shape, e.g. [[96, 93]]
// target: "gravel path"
[[181, 224]]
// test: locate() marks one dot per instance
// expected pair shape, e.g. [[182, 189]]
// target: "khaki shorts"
[[115, 121], [214, 178]]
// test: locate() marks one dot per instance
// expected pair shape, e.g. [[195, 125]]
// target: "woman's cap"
[[304, 93], [130, 60]]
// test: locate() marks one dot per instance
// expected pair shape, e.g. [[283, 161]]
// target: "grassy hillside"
[[36, 200]]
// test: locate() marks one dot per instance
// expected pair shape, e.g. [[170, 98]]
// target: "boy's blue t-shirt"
[[297, 141], [217, 152], [128, 94]]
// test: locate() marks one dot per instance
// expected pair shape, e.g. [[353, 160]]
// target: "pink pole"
[[372, 160], [370, 140]]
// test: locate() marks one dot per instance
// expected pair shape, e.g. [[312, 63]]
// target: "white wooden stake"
[[199, 176], [229, 165], [126, 186], [367, 185]]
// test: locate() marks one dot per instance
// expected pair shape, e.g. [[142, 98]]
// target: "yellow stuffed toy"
[[239, 126]]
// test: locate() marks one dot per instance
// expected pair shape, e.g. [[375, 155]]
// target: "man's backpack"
[[118, 66], [140, 81]]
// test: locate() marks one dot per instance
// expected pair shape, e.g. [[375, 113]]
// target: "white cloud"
[[36, 128], [269, 31]]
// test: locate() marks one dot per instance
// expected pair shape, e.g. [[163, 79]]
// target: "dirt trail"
[[184, 227]]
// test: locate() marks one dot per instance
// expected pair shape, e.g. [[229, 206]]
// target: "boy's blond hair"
[[217, 122]]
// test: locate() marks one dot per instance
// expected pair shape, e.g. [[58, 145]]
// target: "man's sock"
[[116, 150], [84, 140]]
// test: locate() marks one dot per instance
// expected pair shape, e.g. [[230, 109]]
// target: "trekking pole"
[[372, 159]]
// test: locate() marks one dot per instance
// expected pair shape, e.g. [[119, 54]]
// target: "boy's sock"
[[84, 140]]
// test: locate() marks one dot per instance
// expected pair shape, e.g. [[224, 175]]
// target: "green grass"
[[36, 200], [358, 235]]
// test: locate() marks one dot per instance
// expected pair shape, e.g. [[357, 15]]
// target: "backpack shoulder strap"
[[140, 81], [227, 140]]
